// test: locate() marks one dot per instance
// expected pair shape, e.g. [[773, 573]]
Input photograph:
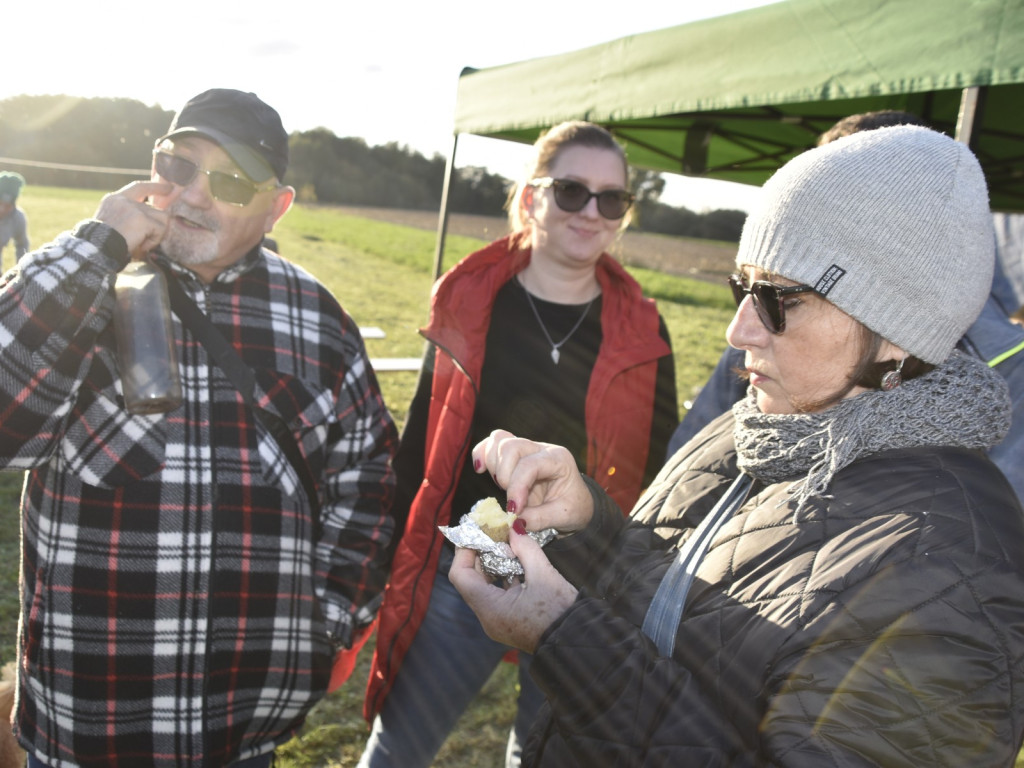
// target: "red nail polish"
[[476, 464], [519, 526], [511, 506]]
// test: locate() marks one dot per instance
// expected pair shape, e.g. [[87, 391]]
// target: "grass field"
[[382, 274]]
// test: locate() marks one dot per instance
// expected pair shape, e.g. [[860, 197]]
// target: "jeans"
[[449, 661]]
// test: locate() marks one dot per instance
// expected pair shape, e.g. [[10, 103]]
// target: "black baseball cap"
[[249, 130]]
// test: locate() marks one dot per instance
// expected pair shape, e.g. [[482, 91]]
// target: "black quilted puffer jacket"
[[882, 626]]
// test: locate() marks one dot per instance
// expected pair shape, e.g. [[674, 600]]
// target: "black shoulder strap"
[[244, 379]]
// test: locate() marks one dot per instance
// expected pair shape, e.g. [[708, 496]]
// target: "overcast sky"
[[381, 70]]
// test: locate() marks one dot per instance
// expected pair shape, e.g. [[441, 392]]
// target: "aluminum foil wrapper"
[[496, 557]]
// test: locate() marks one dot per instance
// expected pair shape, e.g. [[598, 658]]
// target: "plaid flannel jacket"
[[175, 608]]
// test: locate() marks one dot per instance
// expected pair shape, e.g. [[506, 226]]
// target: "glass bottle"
[[146, 352]]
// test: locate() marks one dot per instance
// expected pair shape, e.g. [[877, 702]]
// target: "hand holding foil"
[[496, 557], [544, 486], [516, 613]]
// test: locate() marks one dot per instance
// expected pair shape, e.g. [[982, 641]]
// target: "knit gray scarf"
[[960, 403]]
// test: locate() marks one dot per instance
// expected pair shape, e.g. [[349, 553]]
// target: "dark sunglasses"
[[226, 187], [769, 299], [572, 196]]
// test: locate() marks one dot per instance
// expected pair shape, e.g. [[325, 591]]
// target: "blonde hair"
[[547, 149]]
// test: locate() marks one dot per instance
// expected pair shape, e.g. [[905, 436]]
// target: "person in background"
[[993, 338], [543, 332], [830, 572], [13, 222], [1009, 288], [182, 599]]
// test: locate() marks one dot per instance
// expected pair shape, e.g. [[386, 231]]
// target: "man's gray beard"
[[191, 247]]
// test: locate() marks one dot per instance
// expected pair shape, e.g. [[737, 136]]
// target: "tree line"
[[65, 132]]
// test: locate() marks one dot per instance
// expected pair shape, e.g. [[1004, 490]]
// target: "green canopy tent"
[[735, 97]]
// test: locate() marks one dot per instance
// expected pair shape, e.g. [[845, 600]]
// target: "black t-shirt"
[[523, 390]]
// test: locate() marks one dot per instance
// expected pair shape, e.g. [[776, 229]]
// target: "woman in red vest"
[[542, 333]]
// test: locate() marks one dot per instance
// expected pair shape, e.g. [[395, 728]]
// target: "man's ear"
[[283, 198]]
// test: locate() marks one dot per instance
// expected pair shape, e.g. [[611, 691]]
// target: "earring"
[[892, 379]]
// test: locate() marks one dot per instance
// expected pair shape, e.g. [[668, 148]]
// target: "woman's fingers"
[[541, 480]]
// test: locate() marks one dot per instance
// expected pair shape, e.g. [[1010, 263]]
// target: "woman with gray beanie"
[[830, 574]]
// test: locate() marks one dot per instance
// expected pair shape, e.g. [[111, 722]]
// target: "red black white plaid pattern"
[[176, 610]]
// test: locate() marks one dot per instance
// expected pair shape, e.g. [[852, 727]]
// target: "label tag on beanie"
[[828, 280]]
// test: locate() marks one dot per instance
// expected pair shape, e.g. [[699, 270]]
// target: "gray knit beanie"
[[891, 225]]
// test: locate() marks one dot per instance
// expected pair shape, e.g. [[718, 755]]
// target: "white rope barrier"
[[68, 167]]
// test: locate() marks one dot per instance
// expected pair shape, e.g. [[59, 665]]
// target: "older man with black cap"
[[189, 576]]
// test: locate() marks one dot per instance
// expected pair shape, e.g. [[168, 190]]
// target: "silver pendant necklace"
[[555, 354]]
